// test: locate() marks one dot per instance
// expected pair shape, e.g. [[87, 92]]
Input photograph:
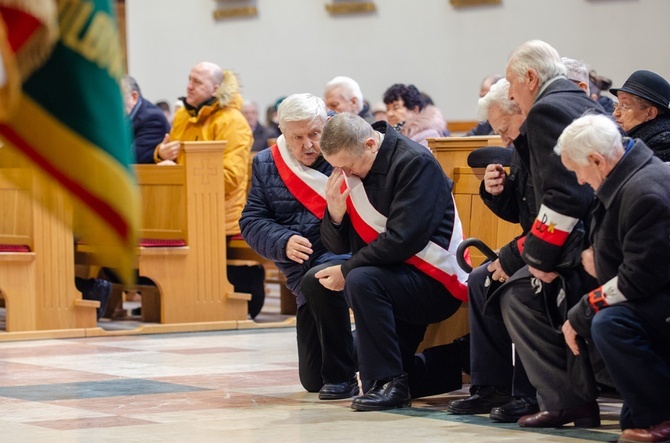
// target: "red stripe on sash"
[[368, 234], [309, 198]]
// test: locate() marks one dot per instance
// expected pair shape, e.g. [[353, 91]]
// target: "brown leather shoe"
[[583, 416], [659, 433]]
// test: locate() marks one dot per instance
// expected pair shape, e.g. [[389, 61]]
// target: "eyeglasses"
[[622, 108]]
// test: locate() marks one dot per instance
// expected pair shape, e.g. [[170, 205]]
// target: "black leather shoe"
[[338, 391], [385, 394], [512, 411], [583, 416], [482, 401]]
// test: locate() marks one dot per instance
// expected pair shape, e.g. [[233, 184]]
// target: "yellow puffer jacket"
[[222, 120]]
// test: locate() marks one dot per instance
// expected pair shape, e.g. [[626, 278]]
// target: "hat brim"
[[637, 93]]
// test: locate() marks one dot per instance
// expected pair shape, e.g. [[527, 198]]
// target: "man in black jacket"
[[398, 218], [626, 315], [499, 384], [534, 302]]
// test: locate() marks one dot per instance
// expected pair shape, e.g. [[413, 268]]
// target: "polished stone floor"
[[223, 386]]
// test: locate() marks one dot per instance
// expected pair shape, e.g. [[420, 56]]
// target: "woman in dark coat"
[[643, 111]]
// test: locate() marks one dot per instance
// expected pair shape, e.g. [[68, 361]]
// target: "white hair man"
[[537, 299], [343, 94], [578, 73], [498, 386], [625, 317], [281, 223]]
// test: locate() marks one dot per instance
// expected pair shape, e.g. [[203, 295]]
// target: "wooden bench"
[[183, 246], [478, 221], [460, 127], [37, 274], [239, 252]]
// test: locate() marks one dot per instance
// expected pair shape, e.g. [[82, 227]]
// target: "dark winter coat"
[[555, 187], [629, 232], [516, 204], [655, 134]]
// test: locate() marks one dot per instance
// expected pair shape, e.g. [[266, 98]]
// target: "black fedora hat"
[[648, 85]]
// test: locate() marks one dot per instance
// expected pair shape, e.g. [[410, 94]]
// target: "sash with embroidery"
[[307, 185], [434, 260]]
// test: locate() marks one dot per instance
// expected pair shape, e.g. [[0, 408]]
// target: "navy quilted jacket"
[[272, 215]]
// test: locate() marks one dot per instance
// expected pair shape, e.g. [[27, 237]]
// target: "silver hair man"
[[537, 55], [343, 94], [590, 134], [578, 72], [301, 107]]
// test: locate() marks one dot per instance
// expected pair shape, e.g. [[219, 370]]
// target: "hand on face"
[[336, 200]]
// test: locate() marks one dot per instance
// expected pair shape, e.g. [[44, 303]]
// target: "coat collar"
[[559, 83], [638, 156], [382, 162]]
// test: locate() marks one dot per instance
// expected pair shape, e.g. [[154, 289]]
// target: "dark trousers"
[[490, 344], [392, 307], [562, 380], [637, 357], [325, 343]]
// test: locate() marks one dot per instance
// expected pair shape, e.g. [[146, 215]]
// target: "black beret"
[[482, 157]]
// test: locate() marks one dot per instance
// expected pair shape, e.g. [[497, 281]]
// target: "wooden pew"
[[187, 202], [183, 241], [239, 251], [478, 221], [460, 127], [37, 278]]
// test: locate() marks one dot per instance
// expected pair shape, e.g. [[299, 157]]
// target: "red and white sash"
[[434, 260], [307, 185]]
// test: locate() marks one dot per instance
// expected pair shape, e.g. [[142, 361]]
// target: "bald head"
[[203, 81]]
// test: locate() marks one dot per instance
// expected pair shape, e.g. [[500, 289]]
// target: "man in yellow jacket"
[[212, 112]]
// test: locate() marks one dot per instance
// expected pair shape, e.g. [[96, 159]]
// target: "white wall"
[[296, 46]]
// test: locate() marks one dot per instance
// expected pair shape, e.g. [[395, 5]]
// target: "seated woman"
[[408, 113], [643, 111]]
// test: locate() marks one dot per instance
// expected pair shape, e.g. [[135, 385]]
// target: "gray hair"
[[588, 134], [498, 95], [349, 87], [131, 84], [301, 107], [345, 132], [576, 70], [537, 55]]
